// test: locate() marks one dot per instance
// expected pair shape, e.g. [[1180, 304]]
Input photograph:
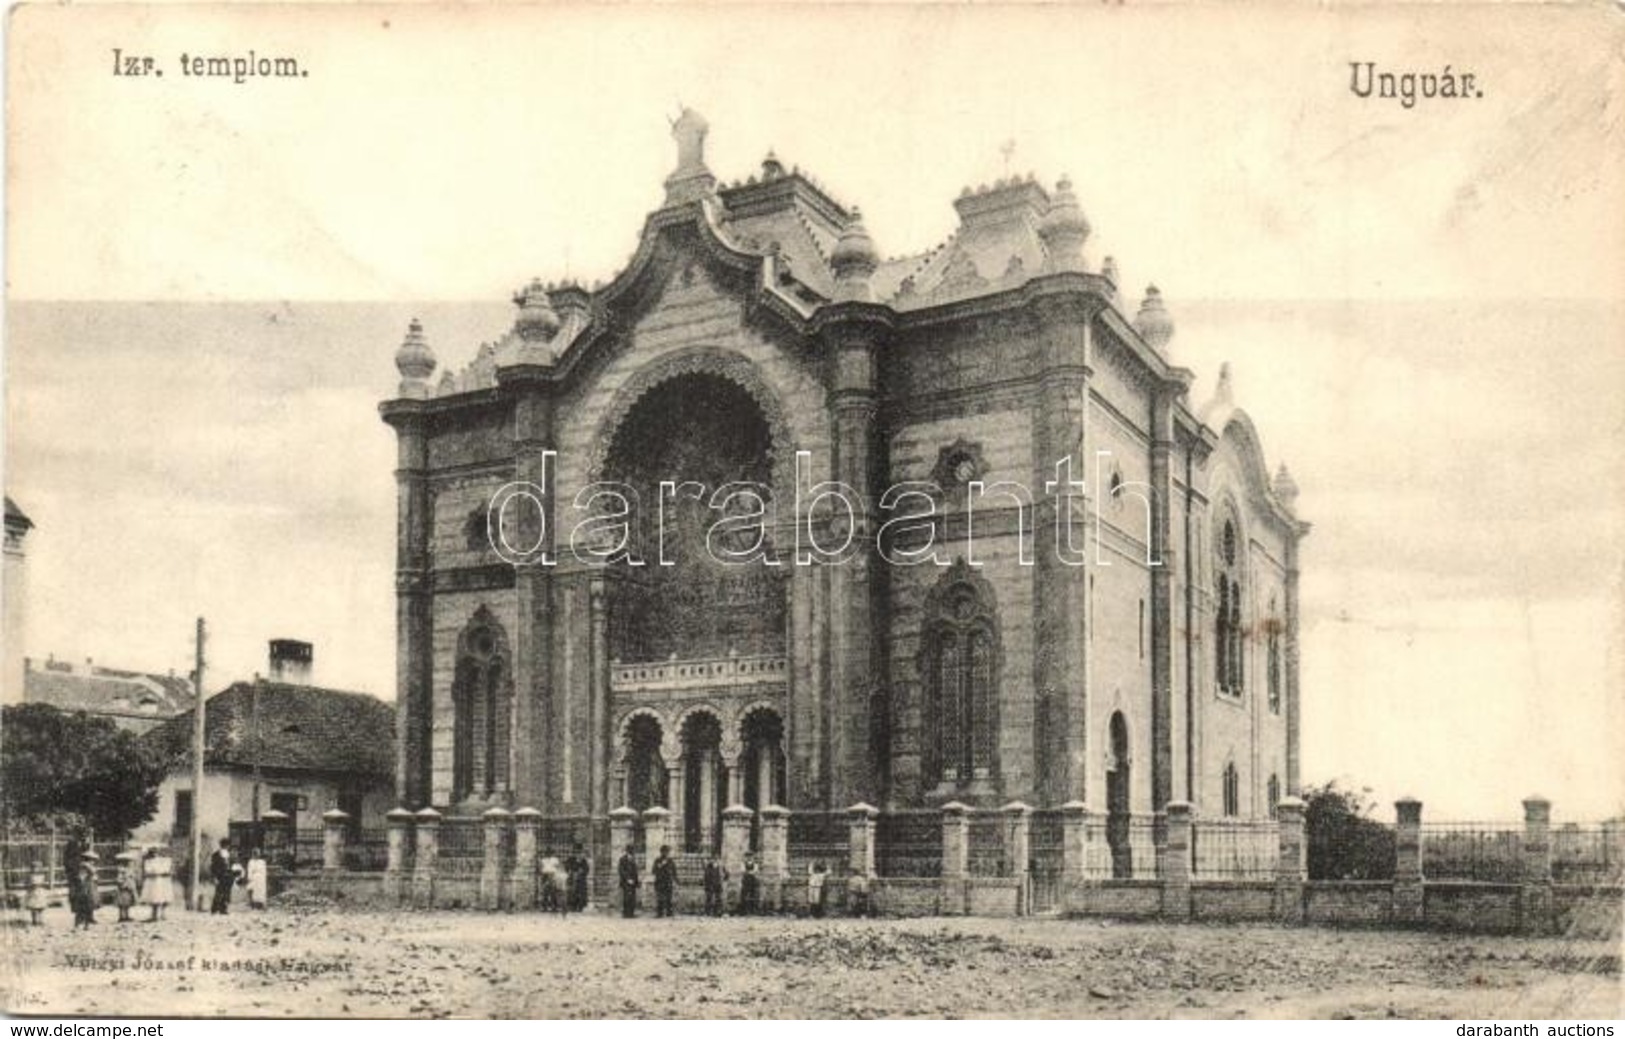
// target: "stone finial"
[[854, 260], [1108, 270], [1153, 322], [1225, 392], [537, 320], [1286, 488], [1064, 229], [772, 168], [415, 361]]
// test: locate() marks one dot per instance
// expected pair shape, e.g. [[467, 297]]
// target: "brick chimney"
[[292, 661]]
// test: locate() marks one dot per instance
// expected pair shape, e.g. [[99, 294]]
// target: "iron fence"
[[1588, 854], [909, 844], [1483, 852], [1235, 849]]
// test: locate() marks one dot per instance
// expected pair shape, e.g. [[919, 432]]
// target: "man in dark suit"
[[628, 869], [665, 881], [224, 876], [576, 869]]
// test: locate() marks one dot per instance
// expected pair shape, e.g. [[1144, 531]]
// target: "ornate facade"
[[1125, 645]]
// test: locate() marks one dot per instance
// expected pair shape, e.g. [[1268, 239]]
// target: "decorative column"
[[603, 736], [1294, 715], [522, 881], [1176, 863], [414, 596], [855, 331], [735, 843], [1535, 907], [1408, 903], [764, 778], [426, 858], [335, 825], [775, 854], [1291, 864], [656, 832], [398, 821], [708, 802], [955, 858], [676, 801], [736, 777], [495, 822], [1162, 581], [623, 825]]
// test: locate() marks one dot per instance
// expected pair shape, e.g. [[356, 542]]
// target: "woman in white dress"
[[157, 890], [256, 879]]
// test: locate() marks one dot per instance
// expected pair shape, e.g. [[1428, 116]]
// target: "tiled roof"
[[296, 727], [106, 691]]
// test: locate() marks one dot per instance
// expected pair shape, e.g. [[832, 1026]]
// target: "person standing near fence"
[[665, 872], [82, 896], [256, 879], [552, 897], [750, 889], [157, 889], [576, 869], [815, 889], [628, 873], [129, 884], [36, 895], [715, 877], [224, 874]]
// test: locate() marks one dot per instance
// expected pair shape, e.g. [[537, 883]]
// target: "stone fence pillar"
[[623, 825], [1535, 914], [1018, 851], [1408, 862], [860, 857], [735, 844], [775, 855], [1074, 842], [399, 822], [1176, 862], [426, 858], [495, 821], [1291, 863], [522, 879], [335, 829], [955, 857], [655, 833]]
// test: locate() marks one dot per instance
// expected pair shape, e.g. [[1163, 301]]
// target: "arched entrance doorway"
[[644, 769], [1117, 799], [704, 782]]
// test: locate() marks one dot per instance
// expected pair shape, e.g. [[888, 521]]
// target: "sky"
[[1422, 307]]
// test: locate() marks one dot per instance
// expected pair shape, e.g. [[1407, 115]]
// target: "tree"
[[58, 765], [1345, 843]]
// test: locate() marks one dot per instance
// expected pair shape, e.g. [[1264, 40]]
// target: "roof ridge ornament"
[[691, 179], [1285, 487], [415, 361], [854, 261], [1153, 322], [1064, 228]]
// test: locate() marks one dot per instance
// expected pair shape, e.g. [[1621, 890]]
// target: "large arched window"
[[1228, 620], [482, 694], [959, 667]]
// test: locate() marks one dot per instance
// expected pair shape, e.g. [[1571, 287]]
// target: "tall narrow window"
[[1273, 793], [1228, 623], [960, 667], [481, 698], [1142, 629], [1273, 665], [1232, 790]]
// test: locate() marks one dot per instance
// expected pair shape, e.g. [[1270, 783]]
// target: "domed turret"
[[1286, 488], [415, 361], [1064, 229], [537, 320], [1153, 322], [772, 168], [853, 260]]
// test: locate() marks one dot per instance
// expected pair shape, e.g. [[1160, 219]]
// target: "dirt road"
[[313, 962]]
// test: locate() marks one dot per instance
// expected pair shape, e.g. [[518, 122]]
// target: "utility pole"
[[197, 774]]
